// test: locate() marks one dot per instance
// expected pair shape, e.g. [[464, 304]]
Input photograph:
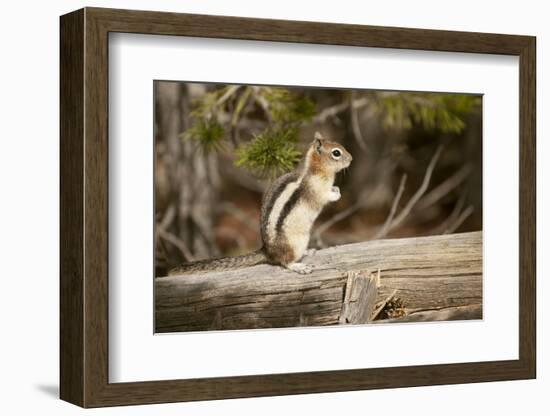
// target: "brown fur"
[[281, 252], [317, 165], [220, 264]]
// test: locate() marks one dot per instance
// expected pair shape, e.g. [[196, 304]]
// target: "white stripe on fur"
[[278, 207]]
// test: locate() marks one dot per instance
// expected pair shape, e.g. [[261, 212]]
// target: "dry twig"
[[177, 242], [384, 230], [356, 128], [465, 214], [333, 111], [337, 218], [418, 194], [445, 187]]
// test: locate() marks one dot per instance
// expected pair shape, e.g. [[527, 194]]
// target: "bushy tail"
[[221, 264]]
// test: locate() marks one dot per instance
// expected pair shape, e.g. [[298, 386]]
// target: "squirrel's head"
[[328, 156]]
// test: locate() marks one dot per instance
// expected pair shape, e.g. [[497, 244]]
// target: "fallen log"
[[435, 278]]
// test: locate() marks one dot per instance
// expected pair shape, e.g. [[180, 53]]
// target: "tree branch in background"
[[227, 94], [236, 116], [176, 242], [165, 235], [212, 167], [418, 194], [331, 112], [262, 103], [168, 217], [342, 215], [445, 187], [356, 128], [384, 230], [465, 214], [440, 229]]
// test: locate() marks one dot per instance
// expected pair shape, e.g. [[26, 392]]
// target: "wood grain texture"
[[527, 209], [228, 27], [427, 273], [359, 298], [96, 214], [71, 184], [84, 214]]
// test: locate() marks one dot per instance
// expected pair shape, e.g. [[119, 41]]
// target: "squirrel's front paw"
[[301, 268], [335, 194]]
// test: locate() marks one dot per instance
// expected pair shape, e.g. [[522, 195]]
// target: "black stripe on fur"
[[289, 205]]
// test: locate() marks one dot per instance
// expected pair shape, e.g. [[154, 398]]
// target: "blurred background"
[[416, 171]]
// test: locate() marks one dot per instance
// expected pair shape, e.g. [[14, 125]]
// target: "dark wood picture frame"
[[84, 207]]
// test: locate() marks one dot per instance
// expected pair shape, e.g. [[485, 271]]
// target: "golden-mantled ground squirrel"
[[289, 208]]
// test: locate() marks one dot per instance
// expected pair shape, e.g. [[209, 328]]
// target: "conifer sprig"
[[270, 153], [433, 112]]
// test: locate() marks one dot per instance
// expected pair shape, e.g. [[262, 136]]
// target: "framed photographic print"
[[261, 207]]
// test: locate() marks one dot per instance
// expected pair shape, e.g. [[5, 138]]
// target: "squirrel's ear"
[[318, 141]]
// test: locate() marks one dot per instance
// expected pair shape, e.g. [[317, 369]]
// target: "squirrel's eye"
[[336, 153]]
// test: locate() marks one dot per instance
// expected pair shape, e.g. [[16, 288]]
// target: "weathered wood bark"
[[437, 278]]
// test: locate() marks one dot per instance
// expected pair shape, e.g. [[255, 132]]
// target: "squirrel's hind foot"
[[301, 268]]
